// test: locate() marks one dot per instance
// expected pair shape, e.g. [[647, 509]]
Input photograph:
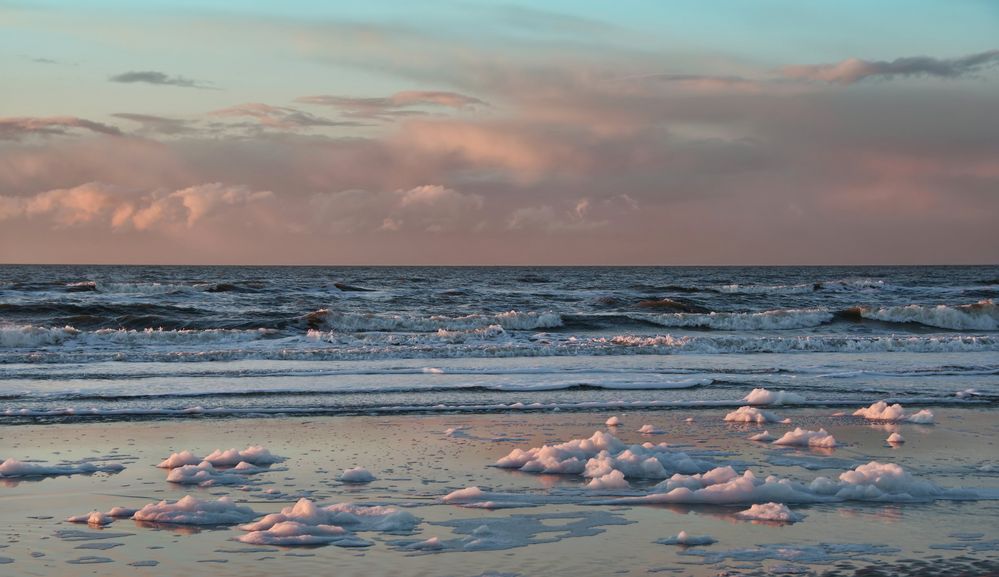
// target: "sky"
[[472, 132]]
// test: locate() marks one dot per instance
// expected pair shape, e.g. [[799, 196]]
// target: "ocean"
[[134, 342]]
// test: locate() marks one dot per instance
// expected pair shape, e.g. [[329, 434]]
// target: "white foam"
[[650, 430], [204, 474], [193, 511], [290, 533], [882, 411], [873, 481], [803, 438], [356, 475], [12, 468], [895, 438], [600, 455], [614, 480], [355, 517], [95, 518], [766, 397], [765, 437], [254, 454], [771, 512], [613, 422], [749, 414], [179, 460]]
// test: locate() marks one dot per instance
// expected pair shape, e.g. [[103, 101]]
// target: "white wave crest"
[[511, 320], [981, 316], [29, 336], [761, 321]]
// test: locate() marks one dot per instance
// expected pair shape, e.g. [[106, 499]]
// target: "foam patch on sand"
[[349, 515], [749, 414], [764, 437], [766, 397], [803, 438], [874, 481], [254, 455], [651, 430], [205, 474], [895, 439], [193, 511], [356, 475], [601, 454], [291, 533], [12, 468], [684, 539], [770, 512], [882, 411]]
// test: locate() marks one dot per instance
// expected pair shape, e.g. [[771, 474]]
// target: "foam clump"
[[253, 454], [611, 481], [767, 397], [180, 459], [765, 437], [650, 430], [12, 468], [600, 454], [686, 540], [770, 512], [895, 439], [803, 438], [289, 533], [357, 475], [205, 474], [95, 518], [882, 411], [613, 422], [874, 481], [355, 517], [749, 414], [193, 511]]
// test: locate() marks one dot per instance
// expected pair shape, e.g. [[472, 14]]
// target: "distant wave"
[[758, 321], [842, 285], [28, 336], [358, 322], [335, 346]]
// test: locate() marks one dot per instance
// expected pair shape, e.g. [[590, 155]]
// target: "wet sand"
[[416, 464]]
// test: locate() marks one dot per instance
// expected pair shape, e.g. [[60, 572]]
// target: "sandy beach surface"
[[525, 523]]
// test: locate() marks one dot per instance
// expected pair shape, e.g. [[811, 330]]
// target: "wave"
[[758, 321], [842, 285], [980, 316], [371, 322], [28, 336], [374, 346]]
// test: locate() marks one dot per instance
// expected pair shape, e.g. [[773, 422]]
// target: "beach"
[[559, 526]]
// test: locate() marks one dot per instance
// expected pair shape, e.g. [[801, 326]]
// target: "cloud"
[[427, 208], [158, 78], [157, 124], [13, 128], [406, 103], [854, 70], [281, 117], [118, 208]]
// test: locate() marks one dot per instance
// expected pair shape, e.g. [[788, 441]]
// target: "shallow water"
[[158, 341]]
